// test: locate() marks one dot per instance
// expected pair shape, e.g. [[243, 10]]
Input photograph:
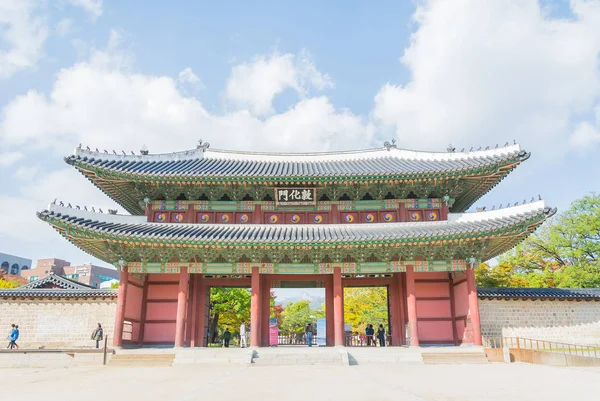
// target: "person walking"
[[381, 335], [226, 338], [14, 336], [98, 335], [370, 333], [309, 334], [9, 336], [243, 334]]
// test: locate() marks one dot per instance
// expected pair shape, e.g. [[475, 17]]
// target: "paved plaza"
[[290, 383]]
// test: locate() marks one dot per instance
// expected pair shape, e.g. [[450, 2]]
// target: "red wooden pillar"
[[121, 301], [189, 310], [338, 308], [334, 213], [202, 295], [402, 299], [184, 278], [257, 218], [396, 326], [148, 212], [193, 317], [411, 300], [329, 311], [265, 310], [255, 308], [144, 310], [473, 306]]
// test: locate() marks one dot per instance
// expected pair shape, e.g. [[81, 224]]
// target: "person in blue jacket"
[[14, 336]]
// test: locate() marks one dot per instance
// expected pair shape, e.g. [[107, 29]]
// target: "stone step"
[[454, 358], [142, 360], [387, 355], [305, 356]]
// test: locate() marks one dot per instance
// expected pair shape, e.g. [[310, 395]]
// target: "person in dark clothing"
[[309, 334], [381, 335], [98, 335], [369, 332], [226, 338]]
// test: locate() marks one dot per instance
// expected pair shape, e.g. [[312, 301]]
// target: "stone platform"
[[275, 356]]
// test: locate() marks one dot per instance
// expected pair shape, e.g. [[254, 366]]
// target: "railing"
[[361, 340], [543, 345]]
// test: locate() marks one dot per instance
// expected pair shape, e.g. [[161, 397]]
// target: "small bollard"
[[104, 356]]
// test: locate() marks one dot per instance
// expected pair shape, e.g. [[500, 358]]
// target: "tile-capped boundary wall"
[[57, 323], [574, 322], [69, 323]]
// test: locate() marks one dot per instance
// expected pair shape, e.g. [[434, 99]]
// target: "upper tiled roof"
[[203, 163], [56, 280], [529, 293], [457, 225]]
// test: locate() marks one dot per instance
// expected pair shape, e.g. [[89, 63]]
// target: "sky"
[[277, 76]]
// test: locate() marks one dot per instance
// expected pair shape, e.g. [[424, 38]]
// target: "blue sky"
[[277, 76]]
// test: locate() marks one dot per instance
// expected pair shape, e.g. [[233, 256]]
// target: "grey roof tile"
[[558, 293], [375, 162], [58, 293], [57, 280]]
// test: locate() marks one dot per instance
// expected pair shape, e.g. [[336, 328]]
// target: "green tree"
[[563, 253], [365, 305], [229, 307], [297, 315]]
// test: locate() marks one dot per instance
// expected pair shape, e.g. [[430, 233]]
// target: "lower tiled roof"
[[545, 293], [132, 228]]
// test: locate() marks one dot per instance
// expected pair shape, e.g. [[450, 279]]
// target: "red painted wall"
[[161, 308], [434, 308]]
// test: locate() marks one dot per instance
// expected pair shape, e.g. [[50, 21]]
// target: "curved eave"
[[495, 236], [120, 185]]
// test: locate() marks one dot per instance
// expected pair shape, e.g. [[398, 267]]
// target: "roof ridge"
[[201, 152]]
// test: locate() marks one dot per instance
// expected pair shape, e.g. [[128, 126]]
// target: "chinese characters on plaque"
[[295, 196]]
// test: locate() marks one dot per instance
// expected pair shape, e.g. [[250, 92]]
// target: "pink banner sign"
[[273, 331]]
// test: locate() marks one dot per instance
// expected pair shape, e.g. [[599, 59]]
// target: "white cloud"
[[26, 173], [93, 7], [104, 103], [64, 27], [586, 136], [187, 76], [8, 158], [484, 72], [17, 213], [255, 84], [23, 33]]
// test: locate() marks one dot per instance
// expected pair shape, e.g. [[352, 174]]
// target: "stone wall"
[[58, 322], [70, 322], [561, 321]]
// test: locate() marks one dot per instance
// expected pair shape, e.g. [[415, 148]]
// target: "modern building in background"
[[12, 264], [88, 274]]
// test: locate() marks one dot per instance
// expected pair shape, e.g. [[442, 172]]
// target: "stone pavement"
[[290, 383]]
